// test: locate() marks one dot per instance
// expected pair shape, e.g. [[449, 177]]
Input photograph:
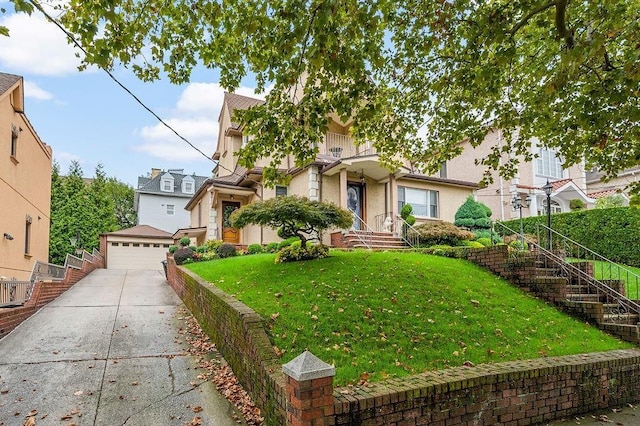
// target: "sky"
[[85, 116]]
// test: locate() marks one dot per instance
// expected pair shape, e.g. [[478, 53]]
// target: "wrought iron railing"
[[604, 268], [13, 293], [361, 230], [343, 146], [399, 227], [555, 259]]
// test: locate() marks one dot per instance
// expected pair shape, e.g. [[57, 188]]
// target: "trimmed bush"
[[484, 241], [254, 249], [172, 248], [487, 233], [576, 204], [185, 241], [613, 233], [517, 244], [294, 253], [442, 233], [182, 254], [474, 244], [473, 214], [287, 242], [272, 247], [226, 250]]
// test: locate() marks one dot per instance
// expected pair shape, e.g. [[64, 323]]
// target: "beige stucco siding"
[[25, 190]]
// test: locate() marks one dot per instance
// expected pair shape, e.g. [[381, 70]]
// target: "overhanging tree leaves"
[[293, 216], [566, 73]]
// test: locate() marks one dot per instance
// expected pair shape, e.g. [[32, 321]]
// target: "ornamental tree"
[[414, 77], [473, 215], [293, 216]]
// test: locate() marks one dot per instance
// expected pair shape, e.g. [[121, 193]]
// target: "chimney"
[[154, 173]]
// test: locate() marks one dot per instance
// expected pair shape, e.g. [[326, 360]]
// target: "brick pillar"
[[309, 390]]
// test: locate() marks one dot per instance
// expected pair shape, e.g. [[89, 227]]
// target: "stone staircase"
[[373, 240]]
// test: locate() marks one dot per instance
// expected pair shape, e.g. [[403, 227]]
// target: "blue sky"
[[85, 116]]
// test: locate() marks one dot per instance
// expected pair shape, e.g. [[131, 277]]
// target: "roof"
[[141, 231], [7, 81], [605, 193], [152, 185], [235, 101], [596, 176], [234, 178]]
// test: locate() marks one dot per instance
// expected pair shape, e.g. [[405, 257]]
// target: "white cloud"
[[196, 118], [36, 46], [64, 159], [32, 90]]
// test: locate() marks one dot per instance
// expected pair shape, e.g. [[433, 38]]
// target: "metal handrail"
[[408, 233], [626, 305], [360, 235], [574, 249]]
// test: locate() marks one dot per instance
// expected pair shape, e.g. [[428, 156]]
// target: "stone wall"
[[44, 292]]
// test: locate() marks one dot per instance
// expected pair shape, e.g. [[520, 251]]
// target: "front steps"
[[369, 239]]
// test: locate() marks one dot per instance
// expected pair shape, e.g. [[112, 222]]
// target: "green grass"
[[606, 271], [380, 315]]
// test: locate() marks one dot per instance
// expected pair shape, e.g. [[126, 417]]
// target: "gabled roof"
[[152, 185], [235, 101], [7, 81], [141, 231]]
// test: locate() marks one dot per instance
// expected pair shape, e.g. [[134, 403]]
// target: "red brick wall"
[[44, 292]]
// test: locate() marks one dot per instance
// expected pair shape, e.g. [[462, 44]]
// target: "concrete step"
[[621, 319], [578, 289]]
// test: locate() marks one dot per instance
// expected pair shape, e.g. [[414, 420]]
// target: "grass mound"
[[379, 315]]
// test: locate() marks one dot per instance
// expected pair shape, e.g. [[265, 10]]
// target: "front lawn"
[[376, 315]]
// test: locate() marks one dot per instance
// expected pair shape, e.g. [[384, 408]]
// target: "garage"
[[140, 247]]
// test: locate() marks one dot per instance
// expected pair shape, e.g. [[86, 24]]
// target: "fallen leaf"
[[134, 383], [161, 312], [197, 409], [197, 421], [31, 421], [77, 393], [4, 391]]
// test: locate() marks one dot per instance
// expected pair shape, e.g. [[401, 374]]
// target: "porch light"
[[362, 178]]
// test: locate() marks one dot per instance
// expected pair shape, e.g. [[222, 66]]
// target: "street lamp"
[[76, 240], [548, 189], [516, 203]]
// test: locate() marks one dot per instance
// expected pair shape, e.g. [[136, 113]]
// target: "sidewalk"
[[107, 352]]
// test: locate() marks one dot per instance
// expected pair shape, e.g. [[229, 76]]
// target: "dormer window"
[[166, 183], [188, 185]]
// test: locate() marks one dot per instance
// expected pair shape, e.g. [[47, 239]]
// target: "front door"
[[229, 234], [355, 202]]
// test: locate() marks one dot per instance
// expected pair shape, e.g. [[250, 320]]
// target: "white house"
[[160, 199]]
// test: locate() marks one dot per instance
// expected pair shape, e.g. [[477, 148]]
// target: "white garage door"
[[135, 256]]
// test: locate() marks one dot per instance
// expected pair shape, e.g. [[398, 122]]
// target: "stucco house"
[[161, 197], [348, 175], [597, 187], [568, 183], [25, 185]]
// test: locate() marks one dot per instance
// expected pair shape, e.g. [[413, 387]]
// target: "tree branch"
[[531, 14], [563, 32]]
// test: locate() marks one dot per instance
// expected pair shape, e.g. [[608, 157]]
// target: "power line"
[[129, 92]]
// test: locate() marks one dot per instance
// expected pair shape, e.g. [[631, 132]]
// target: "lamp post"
[[76, 240], [548, 188], [516, 203]]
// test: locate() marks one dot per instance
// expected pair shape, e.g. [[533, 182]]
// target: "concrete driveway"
[[107, 352]]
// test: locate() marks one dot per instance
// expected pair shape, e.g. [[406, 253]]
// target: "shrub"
[[474, 244], [484, 241], [487, 233], [576, 204], [254, 249], [517, 244], [616, 200], [185, 241], [182, 254], [272, 247], [194, 248], [405, 214], [211, 245], [210, 255], [473, 214], [294, 253], [287, 242], [172, 249], [226, 250], [432, 233]]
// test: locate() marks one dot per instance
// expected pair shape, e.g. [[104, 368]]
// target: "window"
[[423, 201], [125, 244], [27, 235], [14, 140], [171, 209], [115, 244], [555, 208], [145, 245], [167, 185], [136, 244], [549, 164], [281, 191], [188, 187], [165, 245], [188, 184], [245, 140], [156, 245]]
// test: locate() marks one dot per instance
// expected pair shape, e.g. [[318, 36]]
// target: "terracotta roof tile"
[[603, 193]]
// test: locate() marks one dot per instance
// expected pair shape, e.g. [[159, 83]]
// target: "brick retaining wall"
[[512, 394], [44, 292]]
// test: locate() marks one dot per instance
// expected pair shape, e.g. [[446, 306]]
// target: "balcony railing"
[[342, 146]]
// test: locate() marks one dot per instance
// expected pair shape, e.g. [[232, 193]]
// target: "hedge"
[[613, 233]]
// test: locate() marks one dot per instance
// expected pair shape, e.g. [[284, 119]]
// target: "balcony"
[[342, 146]]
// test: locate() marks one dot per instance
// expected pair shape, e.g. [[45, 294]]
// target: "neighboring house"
[[567, 183], [140, 247], [348, 175], [598, 188], [160, 199], [25, 185]]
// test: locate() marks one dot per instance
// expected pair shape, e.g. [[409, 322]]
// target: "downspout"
[[501, 190]]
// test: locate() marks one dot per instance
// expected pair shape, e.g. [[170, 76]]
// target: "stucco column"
[[393, 196], [213, 225], [343, 188], [309, 391]]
